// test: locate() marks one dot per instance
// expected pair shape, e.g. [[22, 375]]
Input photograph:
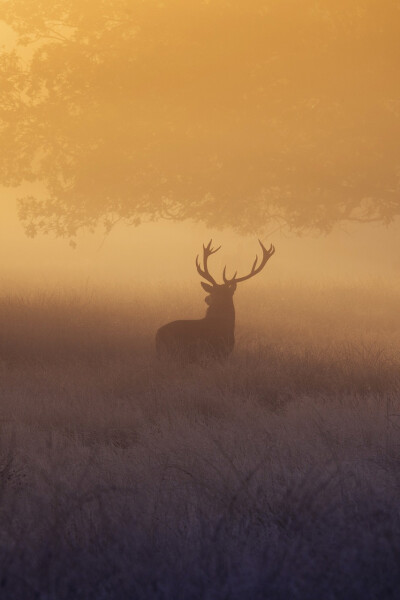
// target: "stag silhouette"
[[214, 335]]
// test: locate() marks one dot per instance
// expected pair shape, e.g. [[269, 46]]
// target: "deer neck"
[[223, 315]]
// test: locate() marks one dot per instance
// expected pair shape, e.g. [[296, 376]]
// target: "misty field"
[[274, 475]]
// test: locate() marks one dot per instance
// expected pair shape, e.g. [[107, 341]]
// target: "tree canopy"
[[230, 112]]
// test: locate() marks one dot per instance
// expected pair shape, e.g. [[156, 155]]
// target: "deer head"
[[221, 294]]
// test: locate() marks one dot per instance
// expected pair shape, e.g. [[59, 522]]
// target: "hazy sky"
[[165, 251]]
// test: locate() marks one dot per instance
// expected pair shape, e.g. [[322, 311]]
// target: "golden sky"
[[7, 36], [165, 251]]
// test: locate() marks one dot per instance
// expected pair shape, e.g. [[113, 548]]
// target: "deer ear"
[[208, 288]]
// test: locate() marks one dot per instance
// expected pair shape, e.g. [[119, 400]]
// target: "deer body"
[[190, 340], [214, 335]]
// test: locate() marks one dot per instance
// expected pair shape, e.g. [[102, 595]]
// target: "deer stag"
[[213, 336]]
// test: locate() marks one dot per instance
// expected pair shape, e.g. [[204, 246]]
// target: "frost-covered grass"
[[275, 475]]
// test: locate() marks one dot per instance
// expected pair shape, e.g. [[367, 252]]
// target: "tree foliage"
[[234, 113]]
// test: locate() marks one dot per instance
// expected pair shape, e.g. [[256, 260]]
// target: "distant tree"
[[234, 113]]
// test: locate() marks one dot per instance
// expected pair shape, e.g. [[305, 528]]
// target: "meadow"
[[274, 475]]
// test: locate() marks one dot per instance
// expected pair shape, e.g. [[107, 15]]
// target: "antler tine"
[[207, 251], [226, 280], [254, 269]]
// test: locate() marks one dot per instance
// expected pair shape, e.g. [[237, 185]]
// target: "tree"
[[229, 112]]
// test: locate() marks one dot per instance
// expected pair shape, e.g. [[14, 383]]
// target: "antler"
[[254, 269], [207, 251]]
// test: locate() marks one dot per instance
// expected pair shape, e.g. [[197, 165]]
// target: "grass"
[[274, 475]]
